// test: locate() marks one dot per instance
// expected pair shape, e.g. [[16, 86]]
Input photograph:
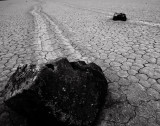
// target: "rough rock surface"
[[119, 16], [59, 91]]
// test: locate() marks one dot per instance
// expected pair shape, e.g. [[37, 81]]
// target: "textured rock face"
[[119, 16], [63, 92]]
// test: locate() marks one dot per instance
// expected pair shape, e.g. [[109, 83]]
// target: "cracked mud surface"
[[128, 52]]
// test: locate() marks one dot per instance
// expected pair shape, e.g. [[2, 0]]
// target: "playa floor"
[[34, 31]]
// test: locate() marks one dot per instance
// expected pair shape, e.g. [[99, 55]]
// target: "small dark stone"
[[58, 92], [119, 16]]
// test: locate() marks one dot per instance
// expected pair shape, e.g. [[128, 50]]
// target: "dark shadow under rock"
[[119, 17], [119, 113], [58, 92]]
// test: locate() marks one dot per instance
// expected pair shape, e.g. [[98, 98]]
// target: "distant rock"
[[119, 17], [58, 92]]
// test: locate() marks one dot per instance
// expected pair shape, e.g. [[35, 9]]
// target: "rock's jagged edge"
[[76, 99]]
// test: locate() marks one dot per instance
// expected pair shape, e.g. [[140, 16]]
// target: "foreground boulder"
[[58, 92], [119, 17]]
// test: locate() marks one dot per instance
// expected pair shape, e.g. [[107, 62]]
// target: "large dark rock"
[[58, 92], [119, 17]]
